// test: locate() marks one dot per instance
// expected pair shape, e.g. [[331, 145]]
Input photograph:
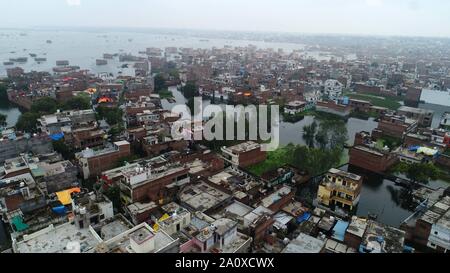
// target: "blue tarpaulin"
[[61, 210], [339, 230], [304, 217], [414, 148], [57, 137]]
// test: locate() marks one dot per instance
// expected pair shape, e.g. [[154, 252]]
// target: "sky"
[[372, 17]]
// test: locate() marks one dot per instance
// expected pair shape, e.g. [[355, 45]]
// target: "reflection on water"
[[383, 197], [12, 113]]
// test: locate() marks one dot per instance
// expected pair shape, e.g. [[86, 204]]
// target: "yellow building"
[[340, 188]]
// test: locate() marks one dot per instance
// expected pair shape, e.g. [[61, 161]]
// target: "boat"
[[33, 55], [372, 216], [49, 41], [8, 63], [19, 60]]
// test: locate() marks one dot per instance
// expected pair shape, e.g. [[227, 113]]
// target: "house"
[[423, 116], [93, 162], [244, 154], [333, 89], [295, 107], [340, 188]]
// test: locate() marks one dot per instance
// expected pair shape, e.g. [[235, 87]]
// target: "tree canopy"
[[79, 102], [190, 90], [45, 105], [27, 122]]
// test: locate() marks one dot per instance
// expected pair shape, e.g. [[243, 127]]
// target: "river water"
[[379, 196]]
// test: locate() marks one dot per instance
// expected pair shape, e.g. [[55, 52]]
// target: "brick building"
[[245, 154], [93, 163]]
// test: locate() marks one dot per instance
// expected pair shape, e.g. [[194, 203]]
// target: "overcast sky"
[[380, 17]]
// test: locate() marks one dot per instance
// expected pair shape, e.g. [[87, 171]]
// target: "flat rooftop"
[[114, 228], [304, 244], [55, 240], [202, 197], [345, 174], [244, 147]]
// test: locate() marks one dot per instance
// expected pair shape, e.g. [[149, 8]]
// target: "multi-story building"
[[178, 218], [295, 107], [145, 183], [340, 188], [244, 154], [333, 89], [395, 126], [93, 162], [423, 116], [430, 227], [366, 155]]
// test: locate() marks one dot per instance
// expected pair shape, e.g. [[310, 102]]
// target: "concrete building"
[[366, 154], [139, 239], [178, 218], [333, 89], [305, 244], [380, 238], [339, 188], [423, 116], [395, 126], [244, 154], [89, 209], [203, 197], [445, 121], [12, 146], [94, 162], [65, 121], [430, 227], [295, 107], [146, 183]]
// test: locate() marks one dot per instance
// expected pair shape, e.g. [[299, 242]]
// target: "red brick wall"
[[154, 190], [282, 202], [352, 240], [412, 141], [99, 164], [444, 160], [371, 162], [391, 129], [252, 157]]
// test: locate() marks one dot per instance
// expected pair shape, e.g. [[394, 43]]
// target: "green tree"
[[61, 147], [45, 105], [309, 131], [112, 115], [80, 102], [422, 172], [3, 120], [190, 90], [160, 82], [3, 92], [27, 122]]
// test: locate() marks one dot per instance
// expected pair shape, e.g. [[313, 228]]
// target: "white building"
[[333, 89], [295, 107]]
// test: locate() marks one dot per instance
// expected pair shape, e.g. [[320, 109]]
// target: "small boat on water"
[[33, 55], [8, 63], [372, 216], [49, 41], [19, 60]]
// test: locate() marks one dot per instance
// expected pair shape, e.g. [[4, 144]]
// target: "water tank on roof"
[[82, 210]]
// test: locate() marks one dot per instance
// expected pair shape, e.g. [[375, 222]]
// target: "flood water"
[[12, 113]]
